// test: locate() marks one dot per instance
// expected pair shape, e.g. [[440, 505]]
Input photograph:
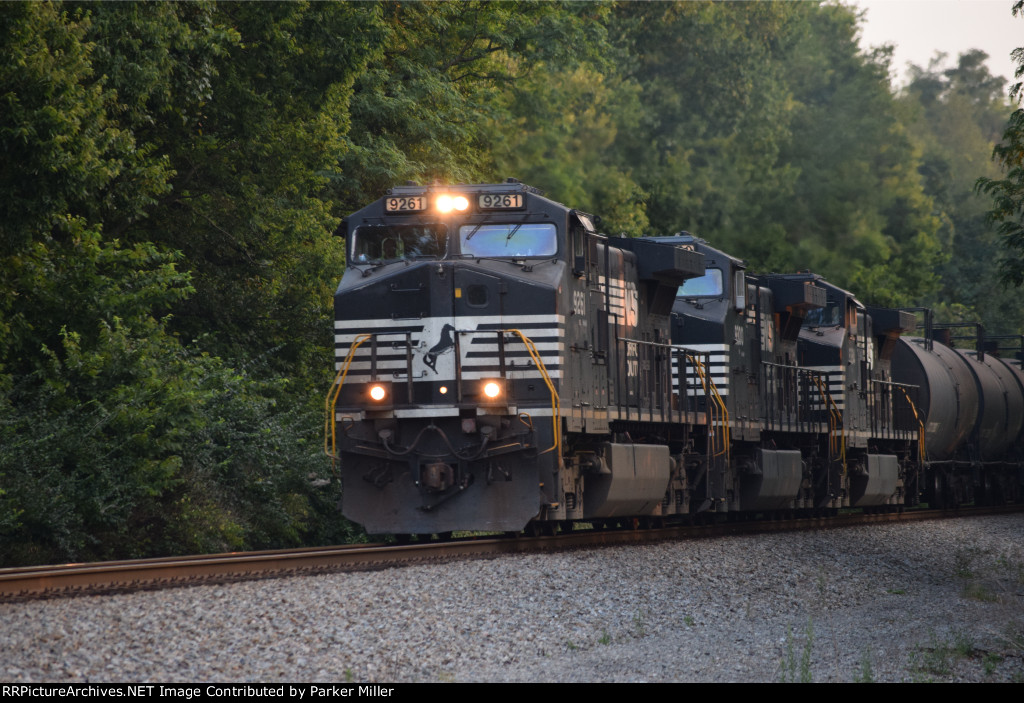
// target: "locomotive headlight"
[[446, 203], [493, 392], [379, 395]]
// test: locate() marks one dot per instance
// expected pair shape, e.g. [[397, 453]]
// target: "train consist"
[[502, 365]]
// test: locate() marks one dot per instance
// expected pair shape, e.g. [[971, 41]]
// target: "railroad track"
[[150, 574]]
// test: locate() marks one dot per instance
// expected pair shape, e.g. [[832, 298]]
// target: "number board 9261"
[[410, 203], [500, 201]]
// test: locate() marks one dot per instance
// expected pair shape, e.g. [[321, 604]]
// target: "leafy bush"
[[135, 446]]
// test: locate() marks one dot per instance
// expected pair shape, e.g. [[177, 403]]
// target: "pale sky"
[[919, 28]]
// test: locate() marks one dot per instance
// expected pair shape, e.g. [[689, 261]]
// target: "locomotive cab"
[[835, 339], [450, 327], [709, 316]]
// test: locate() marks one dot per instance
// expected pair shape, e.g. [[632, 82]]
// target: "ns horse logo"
[[444, 345]]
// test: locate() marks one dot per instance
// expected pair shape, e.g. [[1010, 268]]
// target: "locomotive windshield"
[[823, 317], [390, 242], [707, 286], [515, 240]]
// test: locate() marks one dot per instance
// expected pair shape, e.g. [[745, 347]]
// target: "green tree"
[[115, 438], [68, 157], [763, 128], [703, 144], [857, 211], [65, 289], [564, 127], [1007, 193], [248, 105], [955, 115], [427, 106]]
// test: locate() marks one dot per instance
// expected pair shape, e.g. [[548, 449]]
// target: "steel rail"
[[50, 581]]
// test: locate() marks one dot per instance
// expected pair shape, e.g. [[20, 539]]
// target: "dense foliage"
[[173, 172], [1008, 192]]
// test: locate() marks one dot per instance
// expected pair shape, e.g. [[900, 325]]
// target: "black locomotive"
[[502, 364]]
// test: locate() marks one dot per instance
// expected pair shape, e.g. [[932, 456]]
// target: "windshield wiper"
[[371, 266], [487, 218], [514, 230]]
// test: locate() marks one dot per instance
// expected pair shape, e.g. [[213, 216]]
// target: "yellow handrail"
[[555, 402], [835, 419], [330, 426], [920, 423], [716, 399]]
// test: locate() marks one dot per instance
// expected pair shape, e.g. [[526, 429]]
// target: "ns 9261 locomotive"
[[500, 363]]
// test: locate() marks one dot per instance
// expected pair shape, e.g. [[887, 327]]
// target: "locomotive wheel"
[[540, 529]]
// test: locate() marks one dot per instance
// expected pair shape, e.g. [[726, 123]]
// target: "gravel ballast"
[[938, 601]]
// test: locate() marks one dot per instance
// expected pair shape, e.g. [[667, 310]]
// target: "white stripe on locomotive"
[[717, 368], [835, 382], [433, 344]]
